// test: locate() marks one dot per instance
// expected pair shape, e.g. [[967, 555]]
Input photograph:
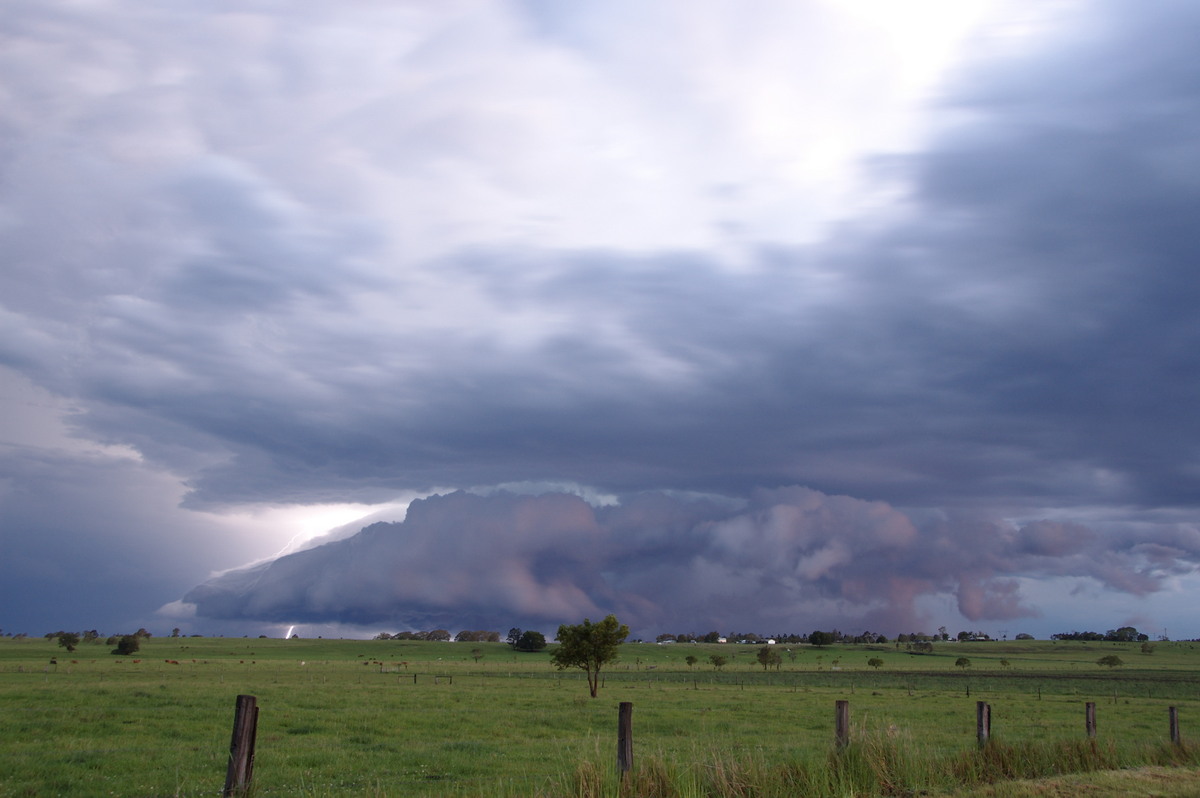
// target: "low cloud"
[[786, 559]]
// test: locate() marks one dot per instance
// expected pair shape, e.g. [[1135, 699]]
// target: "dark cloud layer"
[[789, 559], [279, 269]]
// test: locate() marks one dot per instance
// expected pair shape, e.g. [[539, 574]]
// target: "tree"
[[1110, 661], [68, 640], [819, 638], [514, 634], [127, 644], [768, 656], [1147, 647], [717, 661], [691, 660], [962, 662], [875, 662], [530, 641], [477, 654], [589, 646]]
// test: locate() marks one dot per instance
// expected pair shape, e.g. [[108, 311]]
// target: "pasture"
[[392, 718]]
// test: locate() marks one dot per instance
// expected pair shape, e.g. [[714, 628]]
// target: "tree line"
[[1124, 634], [443, 635], [125, 644]]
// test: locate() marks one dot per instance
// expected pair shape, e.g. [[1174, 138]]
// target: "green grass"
[[344, 717]]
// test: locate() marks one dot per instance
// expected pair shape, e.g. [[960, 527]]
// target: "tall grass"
[[877, 764]]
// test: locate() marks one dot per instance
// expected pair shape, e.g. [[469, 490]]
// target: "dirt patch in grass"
[[1152, 782]]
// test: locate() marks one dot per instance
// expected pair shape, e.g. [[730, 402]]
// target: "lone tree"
[[717, 661], [589, 646], [1110, 660], [962, 662], [530, 641], [768, 656], [819, 638], [68, 640], [127, 644], [875, 662]]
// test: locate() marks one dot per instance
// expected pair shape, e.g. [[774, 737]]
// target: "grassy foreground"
[[390, 718]]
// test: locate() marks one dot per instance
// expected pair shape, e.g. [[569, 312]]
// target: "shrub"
[[127, 644]]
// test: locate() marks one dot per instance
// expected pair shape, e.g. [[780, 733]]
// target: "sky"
[[773, 317]]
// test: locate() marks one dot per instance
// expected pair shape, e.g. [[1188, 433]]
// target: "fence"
[[245, 723]]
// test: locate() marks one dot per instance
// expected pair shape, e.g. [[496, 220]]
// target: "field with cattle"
[[392, 718]]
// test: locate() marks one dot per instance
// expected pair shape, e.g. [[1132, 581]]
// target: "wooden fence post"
[[1173, 715], [1090, 712], [842, 722], [983, 722], [625, 737], [241, 746]]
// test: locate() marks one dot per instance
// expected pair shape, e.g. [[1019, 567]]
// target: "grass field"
[[348, 717]]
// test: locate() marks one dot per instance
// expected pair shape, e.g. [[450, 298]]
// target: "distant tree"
[[91, 636], [383, 636], [144, 633], [175, 632], [477, 654], [875, 662], [962, 662], [691, 660], [514, 634], [127, 644], [589, 646], [1024, 636], [1125, 634], [717, 661], [942, 633], [1147, 647], [530, 641], [819, 638], [1110, 661], [768, 656], [477, 636], [68, 640], [1005, 664]]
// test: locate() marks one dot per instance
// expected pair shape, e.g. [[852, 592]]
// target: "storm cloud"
[[784, 561], [935, 267]]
